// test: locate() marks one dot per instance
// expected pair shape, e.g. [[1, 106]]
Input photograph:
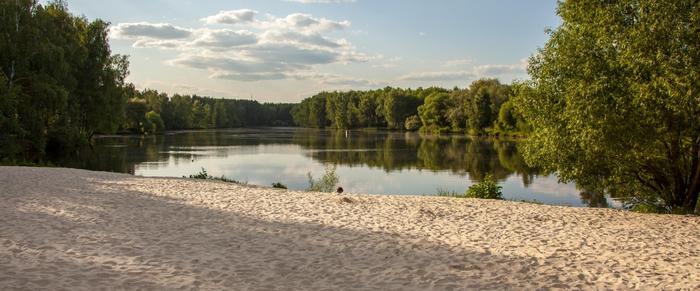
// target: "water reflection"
[[369, 161]]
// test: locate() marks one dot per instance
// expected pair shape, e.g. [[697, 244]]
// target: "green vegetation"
[[203, 175], [60, 85], [485, 189], [279, 185], [533, 201], [327, 182], [449, 193], [613, 101], [149, 111], [475, 110], [59, 81], [612, 104]]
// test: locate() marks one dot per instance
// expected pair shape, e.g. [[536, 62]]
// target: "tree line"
[[60, 84], [149, 111], [485, 107]]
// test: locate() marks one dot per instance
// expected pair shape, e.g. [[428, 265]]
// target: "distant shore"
[[77, 229]]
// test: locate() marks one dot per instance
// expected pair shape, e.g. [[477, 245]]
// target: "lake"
[[368, 161]]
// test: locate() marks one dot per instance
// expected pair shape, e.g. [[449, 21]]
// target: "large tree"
[[433, 113], [614, 100]]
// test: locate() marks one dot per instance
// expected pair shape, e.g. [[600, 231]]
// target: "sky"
[[286, 50]]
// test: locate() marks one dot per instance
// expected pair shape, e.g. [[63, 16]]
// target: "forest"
[[148, 111], [484, 108], [60, 84]]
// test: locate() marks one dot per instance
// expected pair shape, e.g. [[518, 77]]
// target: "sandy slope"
[[75, 229]]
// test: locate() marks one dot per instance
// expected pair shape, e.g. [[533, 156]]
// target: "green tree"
[[433, 113], [398, 106], [135, 112], [614, 100], [483, 103], [154, 122], [413, 122], [456, 113]]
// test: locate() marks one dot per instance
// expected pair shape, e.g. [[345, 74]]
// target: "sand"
[[75, 229]]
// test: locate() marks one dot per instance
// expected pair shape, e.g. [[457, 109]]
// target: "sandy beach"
[[74, 229]]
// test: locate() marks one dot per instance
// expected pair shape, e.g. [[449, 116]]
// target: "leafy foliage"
[[279, 185], [614, 104], [413, 123], [449, 193], [327, 183], [196, 112], [60, 82], [203, 175], [433, 109], [485, 189], [433, 112]]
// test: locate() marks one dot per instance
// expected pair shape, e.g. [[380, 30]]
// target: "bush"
[[279, 185], [327, 183], [413, 123], [203, 175], [648, 208], [486, 189], [154, 122]]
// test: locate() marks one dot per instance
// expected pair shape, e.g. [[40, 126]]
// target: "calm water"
[[377, 162]]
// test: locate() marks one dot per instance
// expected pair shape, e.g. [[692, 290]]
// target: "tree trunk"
[[691, 198]]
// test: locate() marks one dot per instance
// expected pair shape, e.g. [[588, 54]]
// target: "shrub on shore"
[[279, 185], [486, 189], [449, 193], [327, 182]]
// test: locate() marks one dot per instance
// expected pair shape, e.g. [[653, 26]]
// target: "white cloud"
[[182, 88], [458, 62], [149, 30], [466, 74], [301, 22], [313, 39], [439, 76], [159, 43], [231, 17], [497, 70], [351, 82], [269, 49], [335, 80], [271, 61], [224, 38]]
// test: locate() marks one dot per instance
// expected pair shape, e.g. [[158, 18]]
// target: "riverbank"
[[76, 229]]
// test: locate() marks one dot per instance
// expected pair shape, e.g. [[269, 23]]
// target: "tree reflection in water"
[[377, 149]]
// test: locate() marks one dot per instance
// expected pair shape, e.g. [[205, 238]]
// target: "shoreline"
[[78, 229], [505, 136]]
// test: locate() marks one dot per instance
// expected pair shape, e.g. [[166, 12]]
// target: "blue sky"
[[276, 50]]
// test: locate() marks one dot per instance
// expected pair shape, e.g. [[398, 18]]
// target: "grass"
[[533, 201], [279, 185], [326, 183], [450, 193]]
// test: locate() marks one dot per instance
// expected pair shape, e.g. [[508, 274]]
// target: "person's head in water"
[[339, 190]]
